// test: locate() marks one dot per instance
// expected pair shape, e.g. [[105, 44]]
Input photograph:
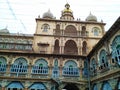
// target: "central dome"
[[48, 14]]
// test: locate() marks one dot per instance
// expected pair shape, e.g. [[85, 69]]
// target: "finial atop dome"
[[91, 18], [48, 14], [67, 13]]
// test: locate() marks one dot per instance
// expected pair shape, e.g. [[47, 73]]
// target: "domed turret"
[[48, 14], [4, 31], [91, 18], [67, 13]]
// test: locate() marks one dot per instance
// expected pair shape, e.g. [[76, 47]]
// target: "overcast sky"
[[19, 15]]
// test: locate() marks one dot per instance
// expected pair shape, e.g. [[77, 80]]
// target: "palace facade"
[[62, 54]]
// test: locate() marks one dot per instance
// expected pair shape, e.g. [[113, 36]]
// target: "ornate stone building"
[[62, 54]]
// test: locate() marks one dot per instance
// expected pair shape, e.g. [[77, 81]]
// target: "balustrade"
[[39, 70], [71, 72]]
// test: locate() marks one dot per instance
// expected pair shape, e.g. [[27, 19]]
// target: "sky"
[[18, 16]]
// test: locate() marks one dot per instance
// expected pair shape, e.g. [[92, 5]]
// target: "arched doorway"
[[71, 87], [70, 47]]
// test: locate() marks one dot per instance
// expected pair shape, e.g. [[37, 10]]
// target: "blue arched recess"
[[95, 87], [16, 85], [106, 86], [37, 86]]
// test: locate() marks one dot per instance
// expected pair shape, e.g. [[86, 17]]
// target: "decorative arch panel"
[[71, 47]]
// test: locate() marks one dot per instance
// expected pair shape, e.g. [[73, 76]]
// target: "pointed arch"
[[70, 47], [84, 47], [56, 47]]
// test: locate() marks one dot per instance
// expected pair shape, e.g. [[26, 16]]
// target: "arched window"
[[57, 30], [3, 63], [106, 86], [103, 62], [84, 48], [20, 66], [37, 86], [70, 69], [56, 47], [40, 67], [116, 50], [15, 85], [45, 27], [93, 67], [83, 32], [96, 31], [71, 47], [55, 71]]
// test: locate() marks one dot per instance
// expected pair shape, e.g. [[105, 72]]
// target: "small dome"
[[91, 18], [48, 14], [4, 31]]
